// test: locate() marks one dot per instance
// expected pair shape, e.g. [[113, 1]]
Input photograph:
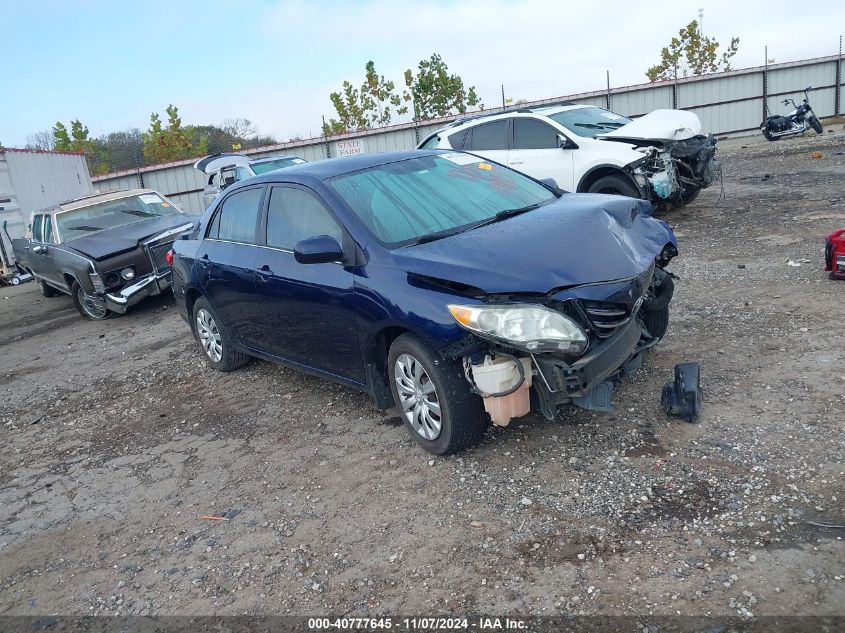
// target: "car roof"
[[541, 110], [97, 198], [329, 168]]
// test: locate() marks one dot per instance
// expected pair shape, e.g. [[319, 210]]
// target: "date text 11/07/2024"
[[419, 623]]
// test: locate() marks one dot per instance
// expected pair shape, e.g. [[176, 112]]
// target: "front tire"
[[614, 185], [91, 307], [214, 340], [433, 397], [689, 195], [816, 125]]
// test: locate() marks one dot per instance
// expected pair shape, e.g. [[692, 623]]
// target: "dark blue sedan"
[[440, 283]]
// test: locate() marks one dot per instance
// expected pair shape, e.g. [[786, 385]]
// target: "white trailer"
[[31, 180]]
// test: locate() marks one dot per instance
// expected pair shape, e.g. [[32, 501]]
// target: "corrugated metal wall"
[[33, 180], [726, 103]]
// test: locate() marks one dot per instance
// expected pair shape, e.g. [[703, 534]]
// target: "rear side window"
[[489, 136], [294, 214], [36, 228], [237, 217], [456, 140], [533, 134], [47, 229]]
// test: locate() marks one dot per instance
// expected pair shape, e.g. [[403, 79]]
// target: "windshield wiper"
[[84, 227], [144, 214], [504, 215], [601, 126], [431, 237]]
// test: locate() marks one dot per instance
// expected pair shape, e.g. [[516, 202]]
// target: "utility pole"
[[503, 96], [701, 22]]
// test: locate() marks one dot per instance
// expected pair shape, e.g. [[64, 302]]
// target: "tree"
[[371, 105], [691, 53], [44, 140], [163, 144], [435, 93], [241, 129], [61, 138]]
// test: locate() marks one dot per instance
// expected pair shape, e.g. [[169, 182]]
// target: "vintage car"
[[107, 251]]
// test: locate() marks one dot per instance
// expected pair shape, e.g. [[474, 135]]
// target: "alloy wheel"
[[418, 397], [92, 305], [209, 335]]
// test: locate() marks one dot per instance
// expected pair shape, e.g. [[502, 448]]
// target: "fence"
[[727, 103]]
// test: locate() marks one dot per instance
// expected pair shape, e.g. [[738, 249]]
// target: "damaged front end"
[[595, 335], [673, 172]]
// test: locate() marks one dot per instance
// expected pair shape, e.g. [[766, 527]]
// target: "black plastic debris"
[[682, 397]]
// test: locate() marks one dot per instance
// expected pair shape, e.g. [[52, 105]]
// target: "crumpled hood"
[[580, 239], [124, 238], [660, 125]]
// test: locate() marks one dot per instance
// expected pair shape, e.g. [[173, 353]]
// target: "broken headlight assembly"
[[526, 327]]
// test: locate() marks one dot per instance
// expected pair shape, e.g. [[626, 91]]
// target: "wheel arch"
[[600, 171]]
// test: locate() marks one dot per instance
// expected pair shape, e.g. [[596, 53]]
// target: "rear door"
[[226, 263], [535, 151], [308, 309], [489, 140]]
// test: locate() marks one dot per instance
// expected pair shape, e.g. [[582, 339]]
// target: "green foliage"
[[61, 138], [692, 54], [432, 92], [435, 93], [371, 105], [165, 144]]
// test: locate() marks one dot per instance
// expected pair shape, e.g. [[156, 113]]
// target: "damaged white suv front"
[[663, 156]]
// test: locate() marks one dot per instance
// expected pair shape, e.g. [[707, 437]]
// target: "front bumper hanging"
[[141, 289]]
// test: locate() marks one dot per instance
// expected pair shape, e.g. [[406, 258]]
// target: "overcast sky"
[[111, 64]]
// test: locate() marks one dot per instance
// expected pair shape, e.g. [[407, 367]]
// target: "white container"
[[498, 375]]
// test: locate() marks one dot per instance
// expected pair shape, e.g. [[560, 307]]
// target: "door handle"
[[39, 250], [516, 162], [203, 261], [264, 269]]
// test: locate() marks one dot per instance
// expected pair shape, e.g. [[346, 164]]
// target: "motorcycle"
[[801, 119]]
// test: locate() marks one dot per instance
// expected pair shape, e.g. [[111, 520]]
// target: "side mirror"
[[317, 250], [551, 182], [562, 142]]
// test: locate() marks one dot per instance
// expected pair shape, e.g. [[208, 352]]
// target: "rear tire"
[[768, 135], [214, 339], [614, 185], [816, 125], [46, 290], [434, 398]]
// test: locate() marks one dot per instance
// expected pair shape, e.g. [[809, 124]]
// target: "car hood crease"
[[123, 238], [580, 239]]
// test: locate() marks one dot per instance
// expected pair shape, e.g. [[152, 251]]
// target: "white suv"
[[662, 156]]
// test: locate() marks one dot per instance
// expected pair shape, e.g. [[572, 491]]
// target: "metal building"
[[32, 180]]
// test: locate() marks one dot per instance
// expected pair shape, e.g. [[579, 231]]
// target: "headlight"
[[529, 327], [128, 273]]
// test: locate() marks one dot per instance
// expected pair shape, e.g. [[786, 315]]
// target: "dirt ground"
[[117, 439]]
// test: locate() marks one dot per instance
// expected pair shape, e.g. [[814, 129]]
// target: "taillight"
[[169, 257]]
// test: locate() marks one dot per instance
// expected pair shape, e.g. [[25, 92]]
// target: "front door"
[[307, 309], [226, 261], [41, 251], [535, 152]]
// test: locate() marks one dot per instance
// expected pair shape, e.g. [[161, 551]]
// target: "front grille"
[[157, 256], [606, 317]]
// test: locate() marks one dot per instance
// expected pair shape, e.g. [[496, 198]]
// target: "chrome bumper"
[[130, 295]]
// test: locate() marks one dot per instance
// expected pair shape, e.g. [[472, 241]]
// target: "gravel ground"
[[118, 439]]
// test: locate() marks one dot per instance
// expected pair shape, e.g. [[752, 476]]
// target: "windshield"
[[590, 121], [405, 202], [108, 215], [278, 163]]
